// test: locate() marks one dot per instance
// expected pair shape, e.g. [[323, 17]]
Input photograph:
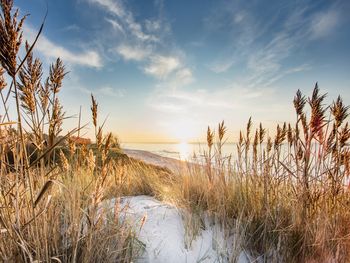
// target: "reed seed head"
[[317, 111], [10, 36], [2, 79], [91, 160], [222, 130], [255, 145], [299, 102], [99, 137], [240, 142], [280, 135], [94, 110], [56, 75], [56, 120], [210, 138], [108, 142], [64, 162], [344, 136], [262, 133], [247, 140], [269, 145], [290, 135], [44, 94], [339, 111]]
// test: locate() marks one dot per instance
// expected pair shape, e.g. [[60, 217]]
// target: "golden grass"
[[50, 187], [289, 194]]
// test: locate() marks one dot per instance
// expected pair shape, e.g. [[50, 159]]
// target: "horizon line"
[[172, 142]]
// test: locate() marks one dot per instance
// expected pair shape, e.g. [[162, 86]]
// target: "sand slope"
[[164, 234]]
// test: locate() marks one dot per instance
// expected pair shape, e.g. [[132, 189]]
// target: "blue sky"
[[164, 70]]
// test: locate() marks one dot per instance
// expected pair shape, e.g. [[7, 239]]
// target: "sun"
[[182, 130], [183, 134], [184, 150]]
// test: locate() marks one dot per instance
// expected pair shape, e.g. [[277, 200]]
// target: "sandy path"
[[162, 230]]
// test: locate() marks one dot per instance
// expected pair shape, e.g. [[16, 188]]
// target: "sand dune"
[[155, 159]]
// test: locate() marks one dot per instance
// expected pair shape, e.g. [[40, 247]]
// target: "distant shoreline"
[[172, 164]]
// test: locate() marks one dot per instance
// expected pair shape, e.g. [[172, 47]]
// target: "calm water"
[[181, 151]]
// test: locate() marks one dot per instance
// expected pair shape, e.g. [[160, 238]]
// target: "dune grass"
[[288, 194], [284, 198], [50, 185]]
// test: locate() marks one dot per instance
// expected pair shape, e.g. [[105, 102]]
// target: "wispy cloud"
[[126, 18], [184, 76], [268, 61], [137, 53], [202, 107], [116, 25], [51, 50], [324, 23], [161, 66], [222, 66], [142, 42], [236, 97], [72, 27], [268, 64], [153, 25], [112, 92], [106, 91], [263, 52]]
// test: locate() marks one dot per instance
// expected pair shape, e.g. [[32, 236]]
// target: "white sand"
[[163, 234]]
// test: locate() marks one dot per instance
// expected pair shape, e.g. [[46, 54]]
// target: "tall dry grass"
[[286, 198], [50, 187]]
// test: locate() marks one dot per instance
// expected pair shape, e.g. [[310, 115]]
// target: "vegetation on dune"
[[289, 194], [284, 198], [50, 184]]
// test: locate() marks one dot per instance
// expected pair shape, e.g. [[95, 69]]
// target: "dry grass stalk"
[[10, 37], [47, 227]]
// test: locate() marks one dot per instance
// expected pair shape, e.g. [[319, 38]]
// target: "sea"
[[179, 151]]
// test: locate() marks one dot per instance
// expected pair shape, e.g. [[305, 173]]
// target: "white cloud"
[[50, 50], [132, 53], [324, 23], [104, 91], [72, 27], [176, 80], [115, 25], [239, 17], [222, 66], [142, 43], [204, 107], [269, 58], [153, 25], [111, 92], [267, 63], [112, 6], [184, 75], [161, 66], [116, 8], [199, 100]]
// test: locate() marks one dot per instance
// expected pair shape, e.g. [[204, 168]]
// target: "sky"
[[163, 70]]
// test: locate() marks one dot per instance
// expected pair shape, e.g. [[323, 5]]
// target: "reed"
[[290, 194], [48, 189]]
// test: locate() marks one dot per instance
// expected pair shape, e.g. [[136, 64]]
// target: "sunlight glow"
[[184, 150], [181, 129]]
